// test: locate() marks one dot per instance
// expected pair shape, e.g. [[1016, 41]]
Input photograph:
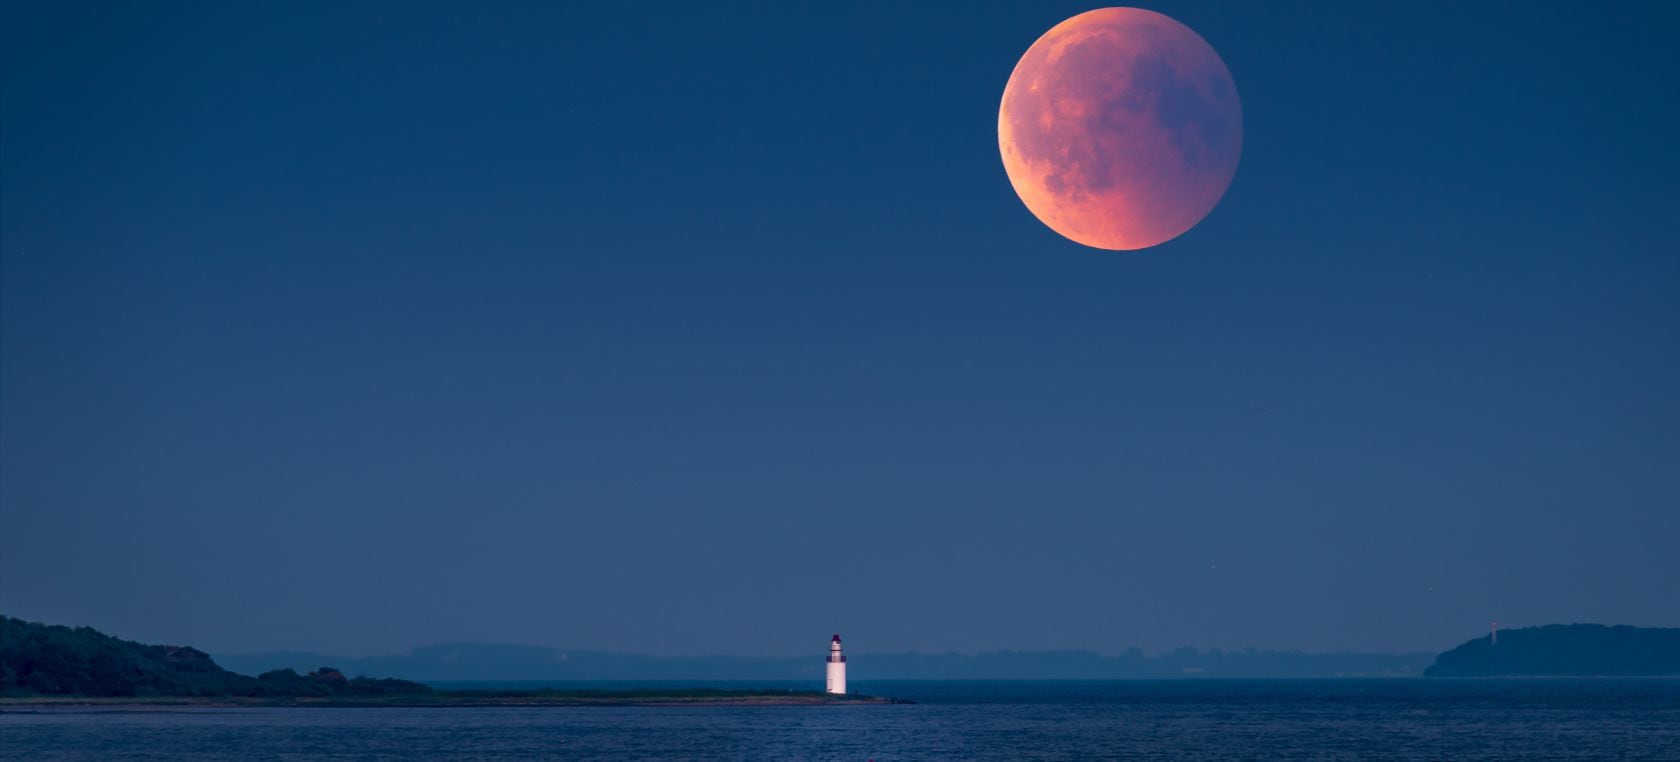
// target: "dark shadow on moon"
[[1181, 109]]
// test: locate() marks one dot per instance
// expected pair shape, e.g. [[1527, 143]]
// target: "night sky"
[[680, 328]]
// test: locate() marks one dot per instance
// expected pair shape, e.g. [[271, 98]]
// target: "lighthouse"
[[836, 667]]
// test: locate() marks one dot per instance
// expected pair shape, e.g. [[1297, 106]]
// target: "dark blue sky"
[[681, 329]]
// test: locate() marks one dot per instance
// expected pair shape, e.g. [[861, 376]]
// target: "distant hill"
[[1577, 650], [493, 662], [52, 660], [490, 662]]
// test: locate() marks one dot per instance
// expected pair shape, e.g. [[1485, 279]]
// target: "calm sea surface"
[[1343, 719]]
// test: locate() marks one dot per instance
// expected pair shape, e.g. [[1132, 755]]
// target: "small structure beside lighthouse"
[[836, 667]]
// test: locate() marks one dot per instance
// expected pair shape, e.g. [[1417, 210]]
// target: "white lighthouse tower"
[[836, 667]]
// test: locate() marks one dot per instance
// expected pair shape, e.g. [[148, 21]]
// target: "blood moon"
[[1120, 128]]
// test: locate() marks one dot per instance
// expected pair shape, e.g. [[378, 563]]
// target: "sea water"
[[1417, 719]]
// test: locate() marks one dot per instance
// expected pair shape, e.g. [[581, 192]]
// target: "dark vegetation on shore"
[[52, 660], [1566, 650]]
